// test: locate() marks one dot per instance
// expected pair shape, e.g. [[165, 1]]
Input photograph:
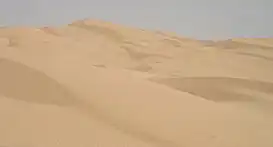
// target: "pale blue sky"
[[202, 19]]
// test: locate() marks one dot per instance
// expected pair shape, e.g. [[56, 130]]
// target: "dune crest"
[[95, 83]]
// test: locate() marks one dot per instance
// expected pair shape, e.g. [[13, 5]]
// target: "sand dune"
[[94, 83], [221, 88]]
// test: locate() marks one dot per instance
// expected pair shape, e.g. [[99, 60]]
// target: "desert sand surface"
[[93, 83]]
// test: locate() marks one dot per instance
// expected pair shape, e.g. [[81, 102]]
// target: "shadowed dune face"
[[107, 32], [229, 44], [131, 49], [221, 89], [50, 31], [23, 83], [256, 56], [140, 56]]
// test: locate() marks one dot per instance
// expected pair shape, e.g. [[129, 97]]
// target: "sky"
[[201, 19]]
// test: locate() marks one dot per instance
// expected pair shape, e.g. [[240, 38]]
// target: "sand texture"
[[96, 84]]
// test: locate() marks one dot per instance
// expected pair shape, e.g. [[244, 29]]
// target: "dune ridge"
[[95, 83]]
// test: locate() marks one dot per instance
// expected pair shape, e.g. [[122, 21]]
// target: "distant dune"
[[97, 84]]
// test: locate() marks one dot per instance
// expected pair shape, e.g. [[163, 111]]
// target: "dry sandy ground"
[[97, 84]]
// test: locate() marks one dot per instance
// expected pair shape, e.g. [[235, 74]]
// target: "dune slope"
[[94, 83]]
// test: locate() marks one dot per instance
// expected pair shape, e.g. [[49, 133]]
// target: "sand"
[[97, 84]]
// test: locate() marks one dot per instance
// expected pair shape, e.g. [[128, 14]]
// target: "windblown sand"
[[96, 84]]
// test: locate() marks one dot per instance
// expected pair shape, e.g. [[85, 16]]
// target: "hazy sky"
[[203, 19]]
